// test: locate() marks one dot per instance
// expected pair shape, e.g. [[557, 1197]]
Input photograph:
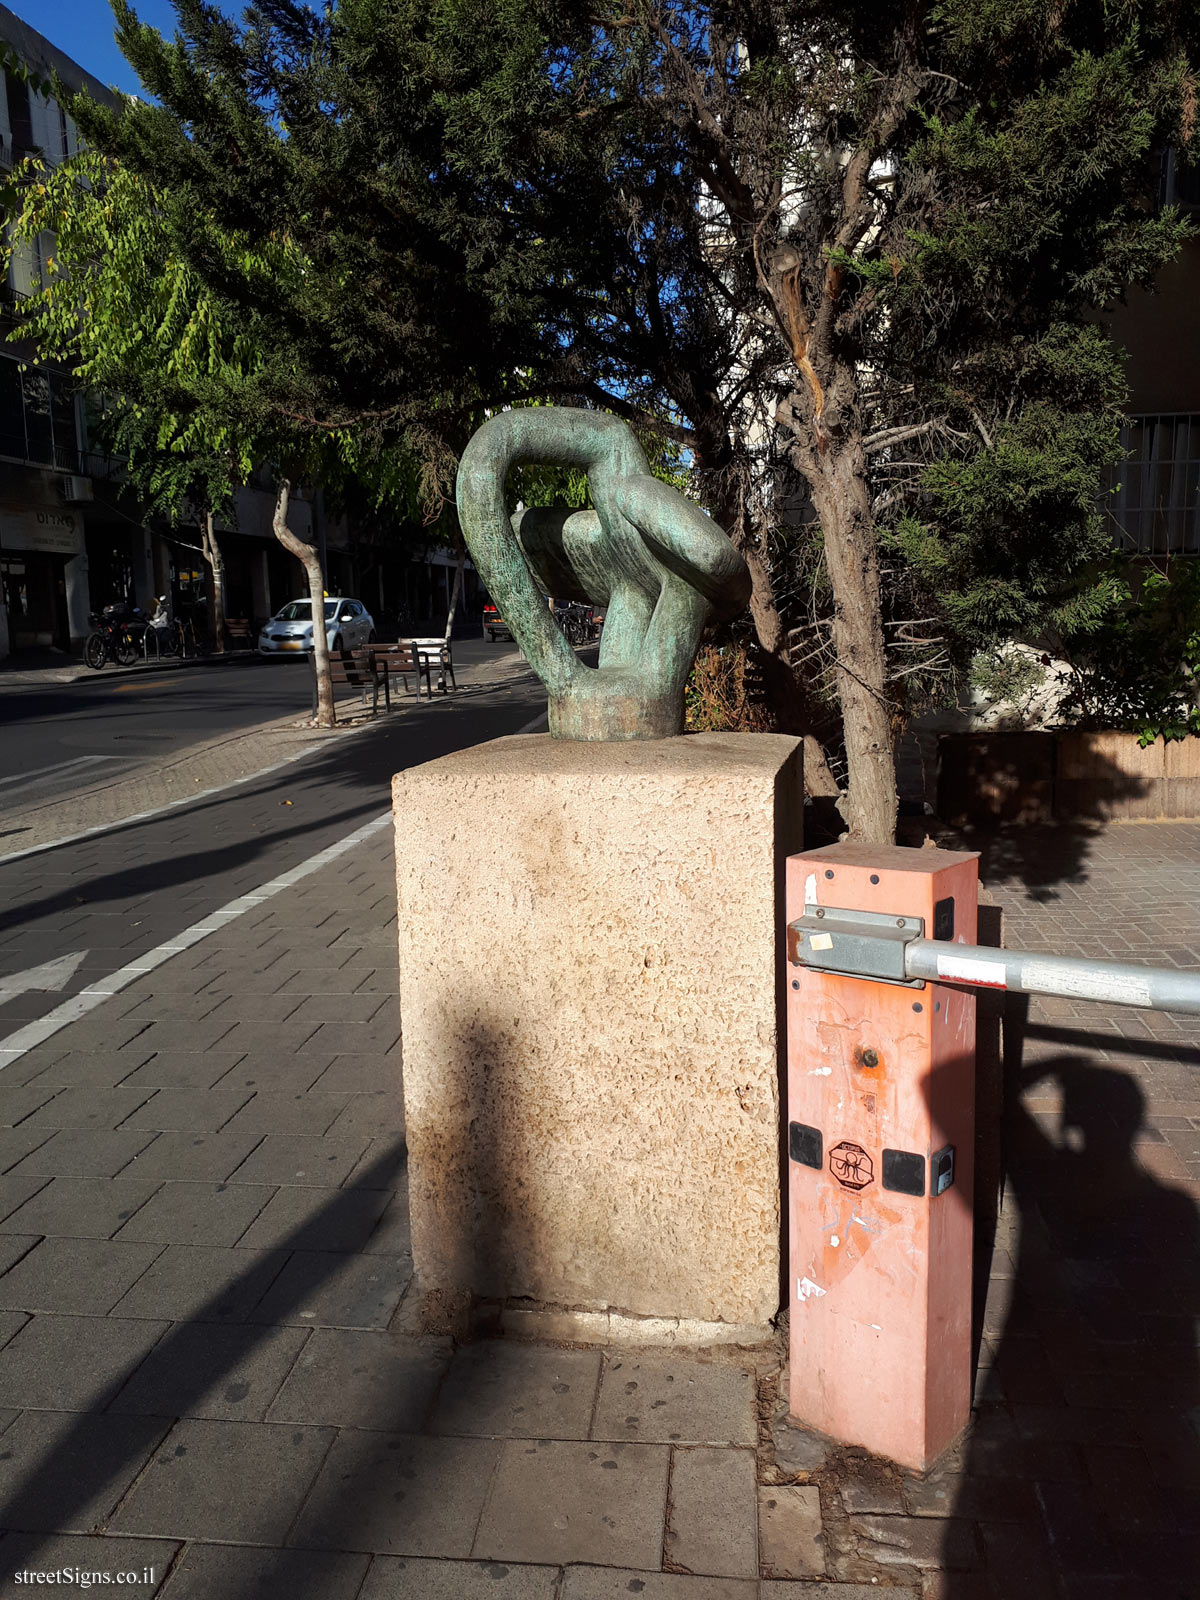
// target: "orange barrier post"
[[880, 1142]]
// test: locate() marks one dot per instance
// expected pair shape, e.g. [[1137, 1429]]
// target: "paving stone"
[[11, 1323], [208, 1571], [85, 1153], [772, 1589], [182, 1069], [398, 1494], [919, 1541], [957, 1495], [858, 1494], [362, 1379], [17, 1105], [63, 1472], [193, 1283], [376, 1116], [72, 1362], [85, 1107], [713, 1503], [300, 1159], [187, 1034], [148, 1559], [392, 1235], [329, 1289], [399, 1578], [563, 1502], [500, 1389], [344, 1008], [311, 1114], [15, 1190], [79, 1208], [276, 1073], [189, 1110], [1018, 1562], [322, 980], [216, 1371], [381, 1167], [200, 1157], [15, 1245], [238, 1481], [614, 1583], [97, 1069], [791, 1543], [16, 1144], [1079, 1540], [81, 1276], [271, 1038], [317, 1219], [675, 1400], [198, 1213], [369, 1074]]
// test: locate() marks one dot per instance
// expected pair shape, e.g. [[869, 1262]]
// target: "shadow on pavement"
[[1082, 1468], [75, 1473], [359, 769]]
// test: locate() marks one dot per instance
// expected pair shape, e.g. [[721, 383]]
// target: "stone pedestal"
[[591, 996]]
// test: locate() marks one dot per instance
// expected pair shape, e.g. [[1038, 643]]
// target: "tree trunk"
[[793, 708], [310, 560], [456, 591], [216, 564], [842, 501]]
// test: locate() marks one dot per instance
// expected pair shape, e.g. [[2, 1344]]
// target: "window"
[[1156, 505], [37, 417]]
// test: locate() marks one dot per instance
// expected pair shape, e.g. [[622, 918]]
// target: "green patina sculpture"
[[653, 559]]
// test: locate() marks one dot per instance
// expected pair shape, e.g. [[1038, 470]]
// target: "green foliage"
[[1140, 669]]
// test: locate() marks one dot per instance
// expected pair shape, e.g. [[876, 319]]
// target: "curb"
[[31, 679]]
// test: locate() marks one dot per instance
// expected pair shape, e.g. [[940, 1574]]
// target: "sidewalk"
[[209, 1370]]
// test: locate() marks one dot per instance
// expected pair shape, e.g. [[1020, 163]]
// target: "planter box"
[[1066, 776]]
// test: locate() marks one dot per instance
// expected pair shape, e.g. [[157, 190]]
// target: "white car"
[[348, 624]]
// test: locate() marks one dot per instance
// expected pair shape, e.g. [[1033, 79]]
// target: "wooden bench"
[[360, 670], [401, 659], [239, 629]]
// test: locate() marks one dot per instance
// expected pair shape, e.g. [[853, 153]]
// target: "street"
[[59, 737], [90, 906]]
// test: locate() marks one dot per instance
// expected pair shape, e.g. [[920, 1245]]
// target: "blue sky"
[[84, 29]]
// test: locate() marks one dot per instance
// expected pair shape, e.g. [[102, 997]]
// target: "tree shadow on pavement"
[[83, 1472], [1082, 1466], [361, 770]]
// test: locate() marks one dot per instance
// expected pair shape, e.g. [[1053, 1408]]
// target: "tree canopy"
[[847, 255]]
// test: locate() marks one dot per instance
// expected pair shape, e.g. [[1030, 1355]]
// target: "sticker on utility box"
[[820, 941]]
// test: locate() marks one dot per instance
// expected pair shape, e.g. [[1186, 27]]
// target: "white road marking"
[[539, 724], [23, 780], [34, 1033], [50, 976]]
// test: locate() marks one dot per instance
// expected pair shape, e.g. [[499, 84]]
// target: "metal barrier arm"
[[894, 950]]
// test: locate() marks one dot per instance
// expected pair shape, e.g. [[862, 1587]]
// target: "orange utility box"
[[881, 1080]]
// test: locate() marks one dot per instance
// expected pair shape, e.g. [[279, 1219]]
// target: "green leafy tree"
[[846, 255], [180, 373]]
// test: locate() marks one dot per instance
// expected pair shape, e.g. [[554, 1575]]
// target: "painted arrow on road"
[[51, 975]]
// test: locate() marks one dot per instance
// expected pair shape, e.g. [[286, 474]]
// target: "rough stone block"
[[591, 1048]]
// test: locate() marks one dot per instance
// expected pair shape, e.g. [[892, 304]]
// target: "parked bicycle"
[[116, 636]]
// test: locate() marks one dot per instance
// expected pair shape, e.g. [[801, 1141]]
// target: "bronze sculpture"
[[655, 560]]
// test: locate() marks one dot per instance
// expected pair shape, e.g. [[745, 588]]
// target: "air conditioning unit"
[[75, 490]]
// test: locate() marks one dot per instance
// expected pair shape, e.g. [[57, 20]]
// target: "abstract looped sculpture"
[[657, 564]]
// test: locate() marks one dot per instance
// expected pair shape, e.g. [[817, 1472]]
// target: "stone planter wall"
[[1066, 776]]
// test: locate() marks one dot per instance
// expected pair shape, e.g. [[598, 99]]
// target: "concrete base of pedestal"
[[591, 995]]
